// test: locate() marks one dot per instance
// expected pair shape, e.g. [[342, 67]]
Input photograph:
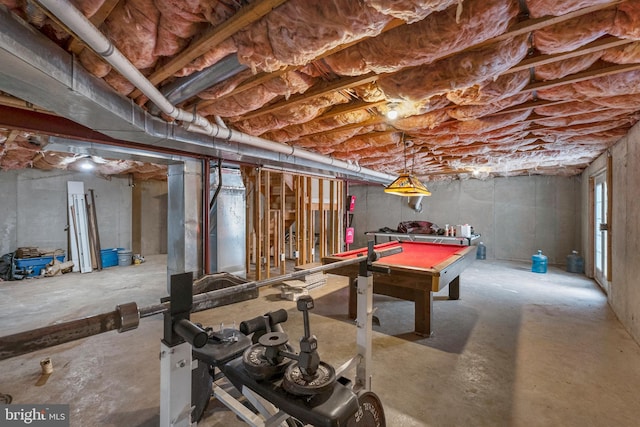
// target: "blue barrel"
[[575, 263], [481, 252], [539, 263]]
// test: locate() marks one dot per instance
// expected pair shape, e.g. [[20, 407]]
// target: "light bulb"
[[86, 164]]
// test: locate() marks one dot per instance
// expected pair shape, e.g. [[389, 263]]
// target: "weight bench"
[[283, 387]]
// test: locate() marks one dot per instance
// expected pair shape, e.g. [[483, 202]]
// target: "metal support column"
[[364, 325], [184, 212]]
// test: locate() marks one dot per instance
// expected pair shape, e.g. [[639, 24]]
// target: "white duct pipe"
[[417, 205], [220, 122], [70, 16]]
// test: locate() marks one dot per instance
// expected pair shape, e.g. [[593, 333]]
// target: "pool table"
[[419, 270]]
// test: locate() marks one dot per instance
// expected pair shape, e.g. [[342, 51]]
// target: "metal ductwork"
[[184, 88], [416, 203], [35, 69]]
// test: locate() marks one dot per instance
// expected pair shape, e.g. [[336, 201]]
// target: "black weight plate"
[[370, 412], [322, 381], [257, 365], [273, 339]]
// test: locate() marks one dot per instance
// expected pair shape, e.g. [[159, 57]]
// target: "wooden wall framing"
[[291, 217]]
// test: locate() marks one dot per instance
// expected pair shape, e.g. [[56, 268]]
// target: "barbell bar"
[[127, 316]]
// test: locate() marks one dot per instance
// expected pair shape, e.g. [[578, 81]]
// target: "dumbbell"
[[308, 375]]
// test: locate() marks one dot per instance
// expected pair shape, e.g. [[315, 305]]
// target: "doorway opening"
[[600, 230]]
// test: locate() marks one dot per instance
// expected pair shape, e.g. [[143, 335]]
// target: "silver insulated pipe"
[[70, 16]]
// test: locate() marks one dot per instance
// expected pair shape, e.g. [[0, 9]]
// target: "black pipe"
[[191, 333]]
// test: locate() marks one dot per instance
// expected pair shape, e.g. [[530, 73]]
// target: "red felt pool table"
[[418, 271]]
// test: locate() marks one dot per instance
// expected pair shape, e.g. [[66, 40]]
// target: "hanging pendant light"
[[407, 184]]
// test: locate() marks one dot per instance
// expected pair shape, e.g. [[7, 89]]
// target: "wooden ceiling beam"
[[347, 108], [533, 24], [315, 92], [602, 43], [13, 134], [517, 29], [264, 77], [589, 74], [245, 16], [574, 78], [370, 122]]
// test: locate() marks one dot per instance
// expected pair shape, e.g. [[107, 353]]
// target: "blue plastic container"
[[109, 257], [539, 263], [35, 264], [575, 263], [481, 252]]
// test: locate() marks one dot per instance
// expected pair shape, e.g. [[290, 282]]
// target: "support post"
[[282, 249], [364, 325], [175, 358], [266, 223], [175, 385], [184, 237]]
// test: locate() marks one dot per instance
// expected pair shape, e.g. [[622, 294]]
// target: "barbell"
[[127, 316]]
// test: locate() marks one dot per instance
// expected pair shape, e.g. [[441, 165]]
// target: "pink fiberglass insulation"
[[438, 35], [254, 98], [428, 120], [470, 112], [293, 132], [410, 11], [627, 54], [567, 108], [491, 90], [481, 125], [557, 70], [456, 72], [297, 31], [540, 8], [574, 33], [621, 101], [294, 114], [138, 45], [581, 118], [612, 85]]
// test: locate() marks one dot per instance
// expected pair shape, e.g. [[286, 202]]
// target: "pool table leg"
[[424, 310], [454, 288]]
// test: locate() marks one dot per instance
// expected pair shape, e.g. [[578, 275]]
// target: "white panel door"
[[600, 231]]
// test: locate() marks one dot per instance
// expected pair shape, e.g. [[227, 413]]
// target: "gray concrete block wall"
[[516, 216], [8, 214], [153, 222], [33, 211]]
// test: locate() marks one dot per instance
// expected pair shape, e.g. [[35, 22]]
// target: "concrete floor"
[[518, 349]]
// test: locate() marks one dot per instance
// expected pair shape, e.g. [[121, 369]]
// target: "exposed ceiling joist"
[[606, 42], [523, 27], [215, 35], [346, 48]]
